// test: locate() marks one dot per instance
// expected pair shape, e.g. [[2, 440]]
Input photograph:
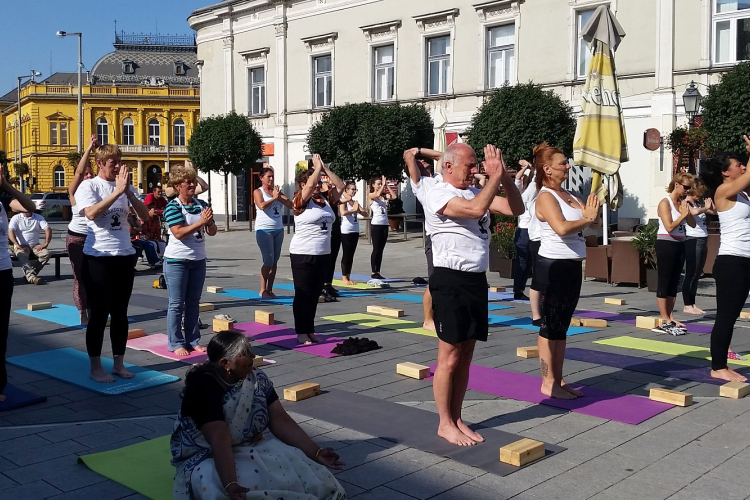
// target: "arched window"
[[154, 132], [128, 132], [102, 131], [179, 132], [59, 176]]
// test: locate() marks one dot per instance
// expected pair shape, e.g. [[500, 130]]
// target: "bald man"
[[458, 217]]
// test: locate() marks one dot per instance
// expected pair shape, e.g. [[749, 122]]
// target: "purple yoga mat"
[[157, 344], [282, 336], [630, 319], [624, 408]]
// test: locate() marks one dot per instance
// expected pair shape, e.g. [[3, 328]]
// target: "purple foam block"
[[599, 403], [285, 337]]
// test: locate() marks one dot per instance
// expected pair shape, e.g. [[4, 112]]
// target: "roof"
[[155, 66], [59, 78]]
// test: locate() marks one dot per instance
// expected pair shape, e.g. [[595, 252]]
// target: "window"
[[385, 73], [322, 81], [154, 132], [128, 67], [59, 176], [438, 65], [179, 68], [583, 54], [128, 132], [179, 132], [102, 131], [58, 133], [257, 91], [731, 31], [500, 55]]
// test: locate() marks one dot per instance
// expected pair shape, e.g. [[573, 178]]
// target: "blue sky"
[[29, 28]]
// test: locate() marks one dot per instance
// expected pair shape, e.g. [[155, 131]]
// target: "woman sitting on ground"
[[219, 444]]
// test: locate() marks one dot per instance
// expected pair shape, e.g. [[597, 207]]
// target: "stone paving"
[[702, 451]]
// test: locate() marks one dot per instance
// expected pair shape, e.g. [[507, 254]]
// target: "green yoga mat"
[[358, 286], [142, 467], [400, 325], [670, 348]]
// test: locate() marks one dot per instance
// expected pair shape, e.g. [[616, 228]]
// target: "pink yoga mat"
[[283, 336], [157, 344], [624, 408]]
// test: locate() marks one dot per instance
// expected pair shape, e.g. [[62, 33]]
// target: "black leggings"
[[379, 238], [6, 293], [108, 282], [308, 273], [695, 259], [670, 258], [732, 275], [349, 246], [335, 245], [560, 282]]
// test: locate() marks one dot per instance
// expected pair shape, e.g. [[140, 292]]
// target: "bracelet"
[[230, 484], [318, 453], [419, 151]]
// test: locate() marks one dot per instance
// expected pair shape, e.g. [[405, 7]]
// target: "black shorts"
[[533, 254], [560, 280], [428, 254], [459, 302]]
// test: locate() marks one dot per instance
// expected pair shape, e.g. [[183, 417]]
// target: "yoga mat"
[[147, 301], [72, 366], [505, 296], [408, 426], [239, 293], [282, 336], [16, 398], [525, 324], [667, 369], [630, 319], [61, 314], [669, 348], [624, 408], [143, 467], [157, 344], [417, 299], [372, 321], [342, 293], [364, 277]]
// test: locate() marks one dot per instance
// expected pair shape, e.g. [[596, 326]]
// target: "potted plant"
[[503, 248], [395, 206], [645, 243]]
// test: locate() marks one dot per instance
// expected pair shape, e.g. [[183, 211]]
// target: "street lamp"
[[691, 99], [19, 154], [167, 121], [63, 34]]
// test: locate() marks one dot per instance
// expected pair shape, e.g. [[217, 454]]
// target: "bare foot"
[[429, 326], [302, 339], [347, 281], [693, 310], [454, 436], [677, 322], [466, 430], [3, 397], [181, 351], [101, 376], [123, 372], [313, 337], [200, 348], [555, 391], [568, 388], [727, 374]]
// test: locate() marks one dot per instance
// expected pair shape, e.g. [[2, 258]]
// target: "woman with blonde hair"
[[380, 193], [696, 245]]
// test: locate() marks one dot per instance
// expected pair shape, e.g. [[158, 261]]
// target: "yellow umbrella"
[[600, 141]]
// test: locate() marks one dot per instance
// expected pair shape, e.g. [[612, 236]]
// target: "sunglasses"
[[687, 188]]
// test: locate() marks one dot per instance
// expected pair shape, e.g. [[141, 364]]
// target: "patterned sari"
[[270, 468]]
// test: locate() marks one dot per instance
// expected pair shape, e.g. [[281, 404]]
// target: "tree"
[[517, 118], [726, 113], [3, 158], [224, 144], [368, 140], [73, 158]]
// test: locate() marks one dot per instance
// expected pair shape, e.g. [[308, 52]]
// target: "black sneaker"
[[331, 291], [536, 322], [377, 276], [520, 296]]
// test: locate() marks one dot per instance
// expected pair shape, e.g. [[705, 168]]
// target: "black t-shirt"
[[204, 397]]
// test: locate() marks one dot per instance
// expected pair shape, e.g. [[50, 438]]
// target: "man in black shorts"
[[458, 216]]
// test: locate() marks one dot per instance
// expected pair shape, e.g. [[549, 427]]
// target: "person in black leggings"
[[380, 192], [349, 210], [696, 246], [329, 293]]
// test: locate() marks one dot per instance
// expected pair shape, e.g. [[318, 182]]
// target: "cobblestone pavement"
[[696, 452]]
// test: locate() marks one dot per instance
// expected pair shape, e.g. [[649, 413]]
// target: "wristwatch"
[[419, 151]]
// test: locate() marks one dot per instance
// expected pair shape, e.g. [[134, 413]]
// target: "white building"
[[285, 62]]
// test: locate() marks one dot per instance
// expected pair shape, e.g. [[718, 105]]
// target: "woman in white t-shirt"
[[269, 228], [696, 245], [6, 273], [350, 211], [109, 257], [76, 237], [310, 248], [379, 195]]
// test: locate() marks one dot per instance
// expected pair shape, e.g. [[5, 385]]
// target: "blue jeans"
[[149, 247], [185, 280], [270, 243]]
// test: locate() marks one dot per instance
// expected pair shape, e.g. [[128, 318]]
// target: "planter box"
[[500, 264], [394, 223], [652, 279]]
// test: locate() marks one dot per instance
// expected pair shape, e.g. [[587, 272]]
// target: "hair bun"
[[538, 148]]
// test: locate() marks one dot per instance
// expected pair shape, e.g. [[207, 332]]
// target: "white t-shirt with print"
[[379, 209], [27, 229], [5, 262], [108, 235], [423, 187], [461, 244], [312, 230]]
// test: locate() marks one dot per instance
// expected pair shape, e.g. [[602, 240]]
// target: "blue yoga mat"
[[62, 314], [72, 366], [363, 277], [417, 299], [16, 398], [342, 293], [239, 293], [525, 324]]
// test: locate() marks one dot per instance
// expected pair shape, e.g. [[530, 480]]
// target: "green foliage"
[[395, 206], [517, 118], [367, 140], [21, 169], [726, 113], [74, 157], [224, 144], [686, 139], [3, 158], [504, 239], [645, 243]]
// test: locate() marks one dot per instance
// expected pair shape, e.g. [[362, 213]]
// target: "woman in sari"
[[219, 446]]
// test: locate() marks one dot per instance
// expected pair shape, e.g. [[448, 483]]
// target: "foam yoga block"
[[522, 452], [527, 352], [38, 306], [301, 391], [214, 289], [734, 390], [413, 370], [671, 397], [264, 317], [615, 302]]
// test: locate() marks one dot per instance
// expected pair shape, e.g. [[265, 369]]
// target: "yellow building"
[[144, 96]]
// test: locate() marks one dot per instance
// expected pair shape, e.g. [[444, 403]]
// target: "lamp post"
[[63, 34], [19, 154], [691, 99], [167, 122]]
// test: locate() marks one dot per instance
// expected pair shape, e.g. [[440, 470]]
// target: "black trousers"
[[109, 283], [695, 258], [379, 238], [732, 275], [348, 246], [560, 281], [670, 258], [335, 245], [6, 294], [308, 273], [522, 262]]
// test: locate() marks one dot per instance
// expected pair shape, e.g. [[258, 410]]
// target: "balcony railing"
[[146, 149], [106, 90]]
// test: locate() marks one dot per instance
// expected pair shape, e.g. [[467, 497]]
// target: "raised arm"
[[24, 200], [513, 203], [412, 169], [81, 167], [201, 186], [475, 208], [378, 192], [741, 183], [548, 210], [312, 181], [335, 181], [436, 156]]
